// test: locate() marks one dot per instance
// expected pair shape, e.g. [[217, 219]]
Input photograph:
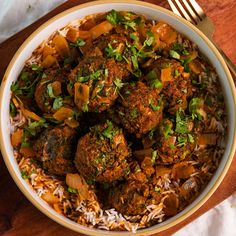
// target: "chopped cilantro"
[[149, 40], [134, 113], [182, 141], [114, 17], [181, 123], [176, 73], [134, 37], [151, 133], [172, 146], [36, 67], [57, 103], [174, 54], [108, 132], [25, 142], [26, 175], [193, 107], [190, 138], [118, 83], [167, 130], [154, 107], [13, 110], [154, 82], [24, 76], [78, 43], [93, 76], [134, 60], [72, 190], [112, 52], [50, 91], [33, 127]]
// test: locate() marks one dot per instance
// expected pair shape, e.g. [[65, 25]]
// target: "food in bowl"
[[118, 122]]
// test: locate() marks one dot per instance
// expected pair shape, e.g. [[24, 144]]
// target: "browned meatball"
[[140, 109], [130, 198], [101, 76], [173, 147], [101, 154], [177, 89], [47, 89], [55, 148]]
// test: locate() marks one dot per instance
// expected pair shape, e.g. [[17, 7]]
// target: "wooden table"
[[18, 217]]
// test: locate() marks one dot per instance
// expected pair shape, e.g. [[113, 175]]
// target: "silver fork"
[[196, 16]]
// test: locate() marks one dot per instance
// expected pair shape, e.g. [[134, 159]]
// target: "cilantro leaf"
[[155, 108], [181, 123], [114, 17], [78, 43], [72, 190], [50, 91], [154, 82], [34, 126], [108, 132], [174, 54], [118, 83], [57, 103]]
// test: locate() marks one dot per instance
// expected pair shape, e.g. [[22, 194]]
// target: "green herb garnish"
[[72, 190], [78, 43], [174, 54], [57, 103], [181, 123], [108, 132]]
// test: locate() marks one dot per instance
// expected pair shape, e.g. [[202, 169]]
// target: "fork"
[[192, 12]]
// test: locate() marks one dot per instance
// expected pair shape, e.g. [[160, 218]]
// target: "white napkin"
[[16, 15]]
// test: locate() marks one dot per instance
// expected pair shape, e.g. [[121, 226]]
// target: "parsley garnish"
[[72, 190], [108, 132], [112, 52], [181, 141], [154, 82], [78, 43], [118, 83], [33, 127], [193, 108], [167, 130], [154, 107], [190, 138], [114, 17], [50, 91], [94, 76], [134, 113], [174, 54], [57, 103], [181, 123]]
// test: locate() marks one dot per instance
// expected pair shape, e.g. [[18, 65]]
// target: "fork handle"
[[229, 63]]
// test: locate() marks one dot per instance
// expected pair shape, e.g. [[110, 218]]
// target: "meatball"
[[176, 90], [130, 198], [140, 108], [55, 148], [100, 75], [48, 88], [171, 146], [102, 153]]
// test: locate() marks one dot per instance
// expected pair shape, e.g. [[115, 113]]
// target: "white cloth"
[[17, 14]]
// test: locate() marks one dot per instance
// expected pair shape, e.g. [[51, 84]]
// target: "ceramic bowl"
[[152, 12]]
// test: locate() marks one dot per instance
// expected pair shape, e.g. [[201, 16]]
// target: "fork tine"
[[198, 9], [173, 7], [184, 12], [195, 16]]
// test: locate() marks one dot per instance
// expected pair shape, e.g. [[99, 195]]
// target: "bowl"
[[150, 11]]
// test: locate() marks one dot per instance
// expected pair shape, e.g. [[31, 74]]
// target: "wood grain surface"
[[18, 217]]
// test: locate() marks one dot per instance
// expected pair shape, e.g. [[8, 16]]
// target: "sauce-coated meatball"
[[55, 148], [140, 109], [101, 154]]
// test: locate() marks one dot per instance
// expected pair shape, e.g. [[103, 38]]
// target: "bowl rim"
[[149, 230]]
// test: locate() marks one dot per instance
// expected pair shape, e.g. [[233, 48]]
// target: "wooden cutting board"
[[18, 217]]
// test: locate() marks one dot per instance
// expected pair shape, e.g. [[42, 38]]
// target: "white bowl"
[[153, 12]]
